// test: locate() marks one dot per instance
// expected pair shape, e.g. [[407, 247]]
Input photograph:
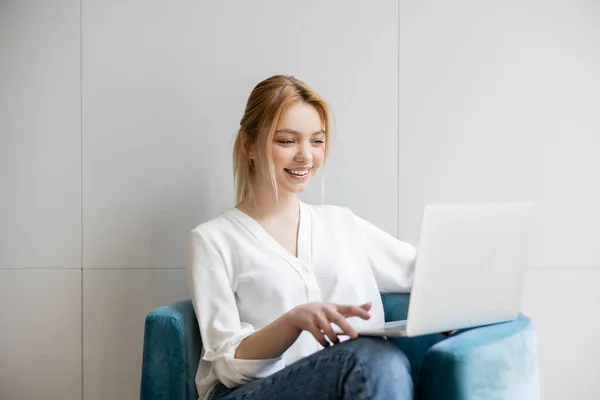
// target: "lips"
[[298, 172]]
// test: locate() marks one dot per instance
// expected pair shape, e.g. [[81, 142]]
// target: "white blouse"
[[241, 279]]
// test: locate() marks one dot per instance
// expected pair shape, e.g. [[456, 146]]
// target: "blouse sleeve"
[[220, 327], [391, 260]]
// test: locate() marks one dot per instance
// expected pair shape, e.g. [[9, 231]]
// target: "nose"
[[304, 153]]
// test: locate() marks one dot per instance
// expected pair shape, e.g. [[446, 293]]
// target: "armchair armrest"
[[171, 353], [493, 362]]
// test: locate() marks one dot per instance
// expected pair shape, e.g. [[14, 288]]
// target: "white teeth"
[[298, 172]]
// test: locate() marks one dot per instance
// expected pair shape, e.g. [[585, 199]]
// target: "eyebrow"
[[285, 130]]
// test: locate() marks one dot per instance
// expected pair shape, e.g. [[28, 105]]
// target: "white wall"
[[116, 125], [40, 200], [139, 103], [499, 101]]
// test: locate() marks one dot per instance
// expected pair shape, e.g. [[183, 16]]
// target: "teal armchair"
[[494, 362]]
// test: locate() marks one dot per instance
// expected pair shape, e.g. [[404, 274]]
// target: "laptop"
[[469, 270]]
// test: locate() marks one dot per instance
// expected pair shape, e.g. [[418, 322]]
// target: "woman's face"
[[298, 147]]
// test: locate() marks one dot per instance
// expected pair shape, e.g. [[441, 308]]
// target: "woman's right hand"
[[316, 318]]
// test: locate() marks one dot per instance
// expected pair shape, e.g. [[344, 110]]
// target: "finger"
[[353, 311], [324, 324], [366, 306], [340, 321], [316, 332]]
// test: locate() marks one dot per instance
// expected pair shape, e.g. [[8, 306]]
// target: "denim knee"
[[382, 358], [379, 371]]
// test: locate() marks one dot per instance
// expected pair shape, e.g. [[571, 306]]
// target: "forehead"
[[301, 117]]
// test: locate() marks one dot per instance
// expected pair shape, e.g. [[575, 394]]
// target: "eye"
[[319, 141], [286, 141]]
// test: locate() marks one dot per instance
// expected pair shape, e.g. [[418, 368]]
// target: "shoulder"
[[341, 218], [332, 213], [220, 228]]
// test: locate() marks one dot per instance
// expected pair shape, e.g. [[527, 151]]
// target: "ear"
[[246, 145]]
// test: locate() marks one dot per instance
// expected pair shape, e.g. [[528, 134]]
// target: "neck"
[[265, 205]]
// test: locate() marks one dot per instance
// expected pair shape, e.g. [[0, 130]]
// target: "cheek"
[[281, 157], [318, 156]]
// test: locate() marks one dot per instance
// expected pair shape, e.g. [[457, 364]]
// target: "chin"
[[295, 189], [298, 188]]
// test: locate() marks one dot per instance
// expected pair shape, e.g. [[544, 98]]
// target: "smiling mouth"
[[298, 172]]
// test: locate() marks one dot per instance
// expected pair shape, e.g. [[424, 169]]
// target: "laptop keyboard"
[[395, 324]]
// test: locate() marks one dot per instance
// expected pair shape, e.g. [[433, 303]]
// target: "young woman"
[[269, 277]]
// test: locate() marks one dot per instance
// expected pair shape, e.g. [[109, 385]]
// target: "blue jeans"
[[364, 368]]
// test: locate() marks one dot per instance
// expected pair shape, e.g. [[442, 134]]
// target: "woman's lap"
[[365, 368]]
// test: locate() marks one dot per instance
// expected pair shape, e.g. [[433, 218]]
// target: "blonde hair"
[[266, 104]]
